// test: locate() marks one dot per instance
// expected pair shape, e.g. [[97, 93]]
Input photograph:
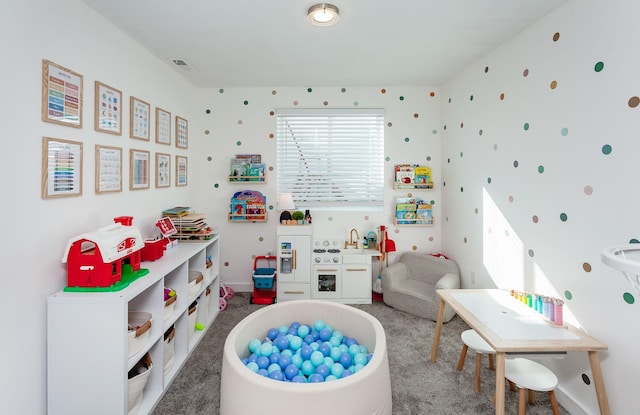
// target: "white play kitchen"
[[328, 269]]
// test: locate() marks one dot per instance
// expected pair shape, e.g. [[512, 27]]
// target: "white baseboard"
[[569, 404]]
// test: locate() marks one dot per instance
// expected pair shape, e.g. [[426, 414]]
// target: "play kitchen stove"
[[326, 273]]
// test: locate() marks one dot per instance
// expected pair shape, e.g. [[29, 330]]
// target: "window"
[[331, 158]]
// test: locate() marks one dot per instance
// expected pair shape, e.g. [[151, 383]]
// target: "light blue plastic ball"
[[273, 367], [328, 361], [295, 342], [254, 344], [335, 353], [317, 358], [338, 335], [358, 367], [335, 341], [297, 360], [283, 329], [354, 349], [318, 325], [346, 373], [253, 366], [303, 331], [360, 358], [266, 349], [330, 378], [337, 369], [307, 368]]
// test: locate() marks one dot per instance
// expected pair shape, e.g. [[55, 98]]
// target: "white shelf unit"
[[87, 353]]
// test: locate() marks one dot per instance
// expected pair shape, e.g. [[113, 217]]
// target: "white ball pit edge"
[[365, 392]]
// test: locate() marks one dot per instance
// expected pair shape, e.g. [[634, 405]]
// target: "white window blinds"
[[331, 157]]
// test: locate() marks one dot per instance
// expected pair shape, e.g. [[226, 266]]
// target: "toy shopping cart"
[[264, 280]]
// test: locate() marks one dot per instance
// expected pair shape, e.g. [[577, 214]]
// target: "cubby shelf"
[[87, 346]]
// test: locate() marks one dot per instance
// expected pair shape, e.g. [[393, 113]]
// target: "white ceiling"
[[252, 43]]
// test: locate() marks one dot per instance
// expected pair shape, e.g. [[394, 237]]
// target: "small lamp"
[[323, 14], [285, 204]]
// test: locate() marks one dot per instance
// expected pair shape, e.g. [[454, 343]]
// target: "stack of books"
[[190, 226], [413, 176], [410, 211]]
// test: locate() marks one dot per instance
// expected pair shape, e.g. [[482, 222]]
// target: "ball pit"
[[364, 390]]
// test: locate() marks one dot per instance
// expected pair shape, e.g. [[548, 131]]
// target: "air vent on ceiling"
[[181, 63]]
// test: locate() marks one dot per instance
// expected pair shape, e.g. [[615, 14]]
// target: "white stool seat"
[[528, 374], [531, 376], [472, 340]]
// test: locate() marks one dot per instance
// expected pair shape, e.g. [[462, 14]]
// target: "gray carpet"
[[418, 386]]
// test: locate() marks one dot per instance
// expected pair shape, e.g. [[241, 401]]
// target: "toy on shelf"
[[107, 259], [181, 224]]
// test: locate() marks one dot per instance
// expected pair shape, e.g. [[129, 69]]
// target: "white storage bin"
[[139, 325], [138, 377], [169, 349], [195, 282], [169, 305], [193, 314]]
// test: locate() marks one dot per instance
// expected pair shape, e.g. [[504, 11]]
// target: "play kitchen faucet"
[[351, 241]]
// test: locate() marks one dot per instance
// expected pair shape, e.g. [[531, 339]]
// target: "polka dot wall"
[[242, 120], [539, 149]]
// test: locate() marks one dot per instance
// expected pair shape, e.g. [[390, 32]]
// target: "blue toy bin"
[[263, 278]]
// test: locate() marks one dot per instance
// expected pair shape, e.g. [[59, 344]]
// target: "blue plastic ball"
[[305, 351], [282, 343], [298, 379], [263, 362], [272, 333], [316, 378], [309, 339], [317, 358], [263, 372], [293, 331], [277, 375], [324, 333], [284, 361], [294, 325], [318, 325], [275, 356], [291, 371], [323, 370], [252, 357], [346, 373], [345, 359], [325, 349], [360, 358]]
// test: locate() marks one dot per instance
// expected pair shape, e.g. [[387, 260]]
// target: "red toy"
[[96, 259], [264, 281]]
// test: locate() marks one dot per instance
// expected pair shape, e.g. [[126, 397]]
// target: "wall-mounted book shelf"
[[235, 217], [248, 179]]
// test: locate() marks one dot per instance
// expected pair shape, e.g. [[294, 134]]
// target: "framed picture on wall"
[[163, 170], [182, 132], [108, 109], [61, 95], [108, 169], [138, 169], [163, 126], [182, 170], [139, 119], [61, 168]]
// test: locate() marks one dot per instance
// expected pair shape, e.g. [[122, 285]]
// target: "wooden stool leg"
[[463, 355], [512, 386], [522, 402], [554, 403], [492, 366], [532, 396], [476, 380]]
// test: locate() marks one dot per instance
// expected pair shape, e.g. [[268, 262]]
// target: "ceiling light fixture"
[[323, 14]]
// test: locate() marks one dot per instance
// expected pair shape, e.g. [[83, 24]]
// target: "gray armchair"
[[410, 284]]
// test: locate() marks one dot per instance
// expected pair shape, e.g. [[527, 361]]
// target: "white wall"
[[504, 222], [411, 136], [36, 231]]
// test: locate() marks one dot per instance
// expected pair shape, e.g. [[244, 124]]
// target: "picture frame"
[[108, 167], [182, 171], [182, 132], [163, 170], [139, 161], [108, 109], [61, 168], [139, 118], [163, 126], [61, 95]]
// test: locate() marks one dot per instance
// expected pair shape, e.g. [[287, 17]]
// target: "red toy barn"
[[95, 259]]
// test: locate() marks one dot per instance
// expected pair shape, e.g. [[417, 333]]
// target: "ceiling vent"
[[181, 63]]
